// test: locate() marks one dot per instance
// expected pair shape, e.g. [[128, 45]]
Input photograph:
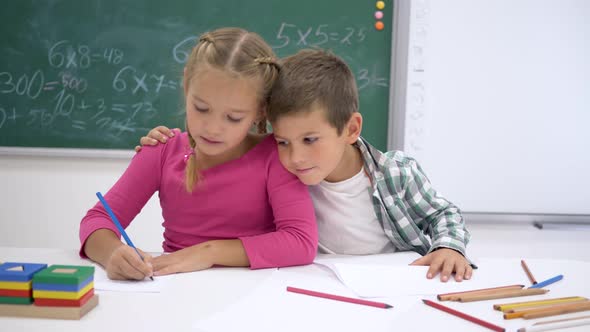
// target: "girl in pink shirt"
[[225, 197]]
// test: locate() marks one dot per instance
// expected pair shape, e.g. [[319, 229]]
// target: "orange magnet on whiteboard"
[[379, 25], [380, 5]]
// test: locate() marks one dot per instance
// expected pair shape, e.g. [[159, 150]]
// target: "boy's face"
[[309, 146]]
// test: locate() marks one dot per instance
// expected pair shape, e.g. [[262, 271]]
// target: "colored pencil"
[[338, 298], [454, 296], [531, 304], [544, 306], [559, 310], [547, 282], [558, 325], [501, 295], [528, 272], [118, 225], [550, 308], [560, 320], [464, 316], [522, 311]]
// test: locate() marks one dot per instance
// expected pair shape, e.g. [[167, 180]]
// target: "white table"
[[194, 296]]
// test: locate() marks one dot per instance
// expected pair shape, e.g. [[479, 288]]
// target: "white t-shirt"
[[347, 222]]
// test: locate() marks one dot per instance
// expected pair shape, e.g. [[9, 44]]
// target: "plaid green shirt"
[[407, 206]]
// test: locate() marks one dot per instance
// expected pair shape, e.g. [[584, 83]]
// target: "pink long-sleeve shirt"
[[252, 198]]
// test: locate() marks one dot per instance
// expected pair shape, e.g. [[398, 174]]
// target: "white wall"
[[43, 199]]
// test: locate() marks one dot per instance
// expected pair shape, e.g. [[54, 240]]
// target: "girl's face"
[[220, 110]]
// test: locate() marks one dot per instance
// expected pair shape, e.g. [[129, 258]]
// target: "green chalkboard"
[[99, 74]]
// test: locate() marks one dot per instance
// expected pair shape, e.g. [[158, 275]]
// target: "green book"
[[64, 274]]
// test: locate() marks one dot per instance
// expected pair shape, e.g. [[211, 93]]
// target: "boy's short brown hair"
[[314, 78]]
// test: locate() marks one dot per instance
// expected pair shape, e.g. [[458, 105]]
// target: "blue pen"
[[118, 224], [547, 282]]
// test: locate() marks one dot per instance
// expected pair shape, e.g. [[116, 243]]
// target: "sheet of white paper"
[[372, 280], [391, 259], [270, 307], [103, 283], [378, 281]]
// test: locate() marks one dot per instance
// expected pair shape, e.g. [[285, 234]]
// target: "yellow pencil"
[[508, 306], [551, 308], [573, 307], [521, 309]]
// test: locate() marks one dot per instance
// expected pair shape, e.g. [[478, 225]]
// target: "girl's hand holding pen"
[[125, 264]]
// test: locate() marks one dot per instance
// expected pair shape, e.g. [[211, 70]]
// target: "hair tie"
[[205, 38], [264, 60], [268, 61]]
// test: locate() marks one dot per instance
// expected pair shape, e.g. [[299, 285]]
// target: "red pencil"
[[339, 298], [464, 316]]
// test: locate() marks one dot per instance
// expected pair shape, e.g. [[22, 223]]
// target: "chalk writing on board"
[[366, 78], [64, 54], [65, 101], [65, 84], [7, 115], [130, 78], [291, 34], [113, 119], [71, 82], [22, 85], [182, 50]]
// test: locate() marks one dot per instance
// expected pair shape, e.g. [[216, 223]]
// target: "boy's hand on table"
[[446, 261]]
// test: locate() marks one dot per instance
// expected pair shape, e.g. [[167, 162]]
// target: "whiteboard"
[[495, 102]]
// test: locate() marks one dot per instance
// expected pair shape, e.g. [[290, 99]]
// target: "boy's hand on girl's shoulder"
[[446, 261], [125, 264], [158, 134]]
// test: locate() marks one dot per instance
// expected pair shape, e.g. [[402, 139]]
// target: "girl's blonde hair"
[[238, 52]]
